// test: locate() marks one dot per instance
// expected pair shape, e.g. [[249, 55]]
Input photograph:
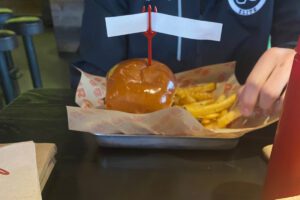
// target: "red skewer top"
[[149, 33]]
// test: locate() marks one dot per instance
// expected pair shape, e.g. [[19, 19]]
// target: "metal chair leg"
[[9, 59], [6, 81], [32, 61], [13, 71]]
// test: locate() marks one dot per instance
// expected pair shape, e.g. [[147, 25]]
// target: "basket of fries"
[[204, 108]]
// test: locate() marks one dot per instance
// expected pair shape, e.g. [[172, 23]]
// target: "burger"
[[135, 87]]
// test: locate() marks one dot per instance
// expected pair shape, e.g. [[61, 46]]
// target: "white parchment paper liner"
[[175, 121]]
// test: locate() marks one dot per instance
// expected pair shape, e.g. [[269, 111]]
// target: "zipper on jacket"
[[179, 42]]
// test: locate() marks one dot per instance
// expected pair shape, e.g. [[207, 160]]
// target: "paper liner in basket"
[[175, 121]]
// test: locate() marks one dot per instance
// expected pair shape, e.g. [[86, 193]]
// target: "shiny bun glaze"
[[134, 87]]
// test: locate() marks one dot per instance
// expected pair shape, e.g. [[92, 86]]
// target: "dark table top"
[[86, 171]]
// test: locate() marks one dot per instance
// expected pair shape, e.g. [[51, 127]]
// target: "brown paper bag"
[[175, 121]]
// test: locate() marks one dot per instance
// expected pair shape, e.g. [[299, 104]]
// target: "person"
[[247, 27]]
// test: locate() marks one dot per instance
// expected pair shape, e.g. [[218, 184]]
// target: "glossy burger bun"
[[135, 87]]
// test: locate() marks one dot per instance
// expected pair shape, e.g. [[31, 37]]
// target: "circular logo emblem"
[[246, 7]]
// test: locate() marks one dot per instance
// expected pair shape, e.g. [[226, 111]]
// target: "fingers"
[[267, 81], [248, 98], [260, 73], [275, 84], [241, 90], [264, 67], [279, 103]]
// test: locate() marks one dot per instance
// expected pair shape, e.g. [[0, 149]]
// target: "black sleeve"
[[286, 23], [95, 47]]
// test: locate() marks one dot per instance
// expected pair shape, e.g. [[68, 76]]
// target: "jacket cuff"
[[289, 45]]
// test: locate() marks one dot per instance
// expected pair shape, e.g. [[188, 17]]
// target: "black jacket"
[[247, 25]]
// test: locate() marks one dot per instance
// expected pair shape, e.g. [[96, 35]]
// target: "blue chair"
[[27, 27], [5, 14], [15, 74], [8, 42]]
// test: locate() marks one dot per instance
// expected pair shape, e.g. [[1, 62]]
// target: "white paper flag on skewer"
[[126, 24], [162, 23]]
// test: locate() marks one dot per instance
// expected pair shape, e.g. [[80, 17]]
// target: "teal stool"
[[15, 74], [27, 27], [5, 14], [8, 42]]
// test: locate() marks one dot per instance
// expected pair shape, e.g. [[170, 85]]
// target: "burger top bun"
[[135, 87]]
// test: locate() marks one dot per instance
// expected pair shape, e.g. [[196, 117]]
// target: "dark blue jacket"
[[247, 26]]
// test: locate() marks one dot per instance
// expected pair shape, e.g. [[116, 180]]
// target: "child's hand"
[[267, 81]]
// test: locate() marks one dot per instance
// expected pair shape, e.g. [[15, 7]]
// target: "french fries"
[[209, 87], [221, 98], [213, 112], [189, 98], [200, 112], [229, 117], [194, 94]]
